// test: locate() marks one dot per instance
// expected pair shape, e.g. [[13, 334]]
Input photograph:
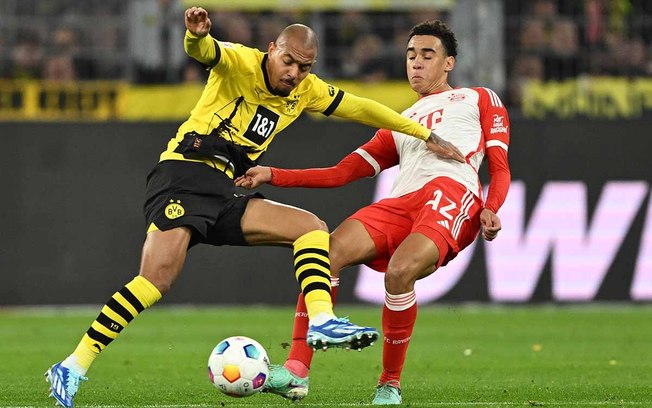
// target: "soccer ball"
[[238, 366]]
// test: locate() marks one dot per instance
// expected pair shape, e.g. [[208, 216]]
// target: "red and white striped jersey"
[[473, 119]]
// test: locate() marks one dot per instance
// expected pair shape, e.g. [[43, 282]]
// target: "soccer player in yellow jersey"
[[249, 98]]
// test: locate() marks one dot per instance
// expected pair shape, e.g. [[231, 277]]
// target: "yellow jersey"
[[238, 105]]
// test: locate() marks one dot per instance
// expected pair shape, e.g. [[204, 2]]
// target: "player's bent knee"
[[310, 222], [163, 257], [341, 257], [161, 275], [162, 272], [399, 279], [322, 225]]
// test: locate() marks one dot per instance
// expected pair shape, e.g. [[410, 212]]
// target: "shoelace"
[[388, 390], [72, 384], [272, 369]]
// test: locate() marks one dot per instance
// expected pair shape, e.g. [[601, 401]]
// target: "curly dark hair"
[[440, 30]]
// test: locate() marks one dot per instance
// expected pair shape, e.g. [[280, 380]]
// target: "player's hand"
[[254, 177], [197, 21], [444, 149], [490, 224]]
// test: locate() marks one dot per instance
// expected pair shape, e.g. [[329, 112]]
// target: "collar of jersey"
[[436, 92], [268, 85]]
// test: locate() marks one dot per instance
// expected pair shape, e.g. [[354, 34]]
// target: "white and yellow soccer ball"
[[238, 366]]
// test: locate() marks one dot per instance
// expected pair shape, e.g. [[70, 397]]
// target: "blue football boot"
[[64, 383], [340, 333]]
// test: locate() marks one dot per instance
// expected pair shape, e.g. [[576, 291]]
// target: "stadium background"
[[86, 108]]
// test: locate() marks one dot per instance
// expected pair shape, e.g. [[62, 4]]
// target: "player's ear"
[[450, 64], [271, 47]]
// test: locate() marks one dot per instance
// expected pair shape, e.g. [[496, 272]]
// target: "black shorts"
[[197, 196]]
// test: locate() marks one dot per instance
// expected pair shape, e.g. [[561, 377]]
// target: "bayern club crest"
[[456, 97]]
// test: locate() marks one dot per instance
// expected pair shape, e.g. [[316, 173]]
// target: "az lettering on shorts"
[[443, 210], [453, 211]]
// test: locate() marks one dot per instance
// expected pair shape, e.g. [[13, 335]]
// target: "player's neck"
[[439, 88]]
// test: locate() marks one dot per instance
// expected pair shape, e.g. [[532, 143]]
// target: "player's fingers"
[[452, 152], [190, 13], [201, 14], [196, 14], [493, 229], [488, 234], [457, 155]]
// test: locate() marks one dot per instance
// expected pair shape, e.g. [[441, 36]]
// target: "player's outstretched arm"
[[351, 168], [372, 113], [375, 114]]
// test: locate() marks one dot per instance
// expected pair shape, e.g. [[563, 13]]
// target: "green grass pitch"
[[475, 356]]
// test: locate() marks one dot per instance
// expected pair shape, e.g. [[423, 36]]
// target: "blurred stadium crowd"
[[140, 41], [557, 40]]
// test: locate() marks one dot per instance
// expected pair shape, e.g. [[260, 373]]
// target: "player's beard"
[[282, 92], [286, 90]]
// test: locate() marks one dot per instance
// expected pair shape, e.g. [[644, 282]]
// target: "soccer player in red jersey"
[[435, 209]]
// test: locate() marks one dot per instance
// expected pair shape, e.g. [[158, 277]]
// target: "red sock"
[[335, 284], [300, 350], [399, 316]]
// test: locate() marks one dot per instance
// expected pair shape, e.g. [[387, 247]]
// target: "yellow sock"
[[313, 273], [124, 305]]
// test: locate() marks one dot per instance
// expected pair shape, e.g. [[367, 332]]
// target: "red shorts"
[[443, 210]]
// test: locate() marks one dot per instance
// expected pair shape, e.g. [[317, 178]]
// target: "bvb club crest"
[[174, 209], [290, 106]]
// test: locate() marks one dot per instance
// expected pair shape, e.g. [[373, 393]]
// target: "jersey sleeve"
[[496, 131], [203, 49], [328, 100], [372, 113], [211, 52], [500, 178], [380, 152], [366, 161], [324, 97]]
